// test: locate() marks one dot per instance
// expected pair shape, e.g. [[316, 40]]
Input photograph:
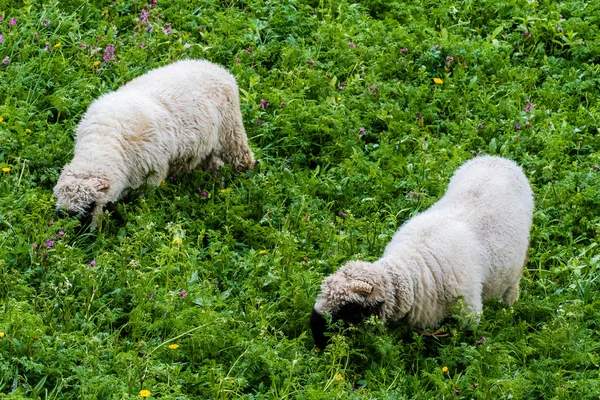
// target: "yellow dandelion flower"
[[339, 99], [445, 369], [1, 335], [317, 350], [155, 286], [232, 381], [178, 241], [338, 377], [105, 12], [27, 130], [262, 252], [225, 190], [57, 45], [437, 81], [7, 170], [1, 119], [174, 346], [96, 63], [144, 393]]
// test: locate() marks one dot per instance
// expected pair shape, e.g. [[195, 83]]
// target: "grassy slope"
[[242, 329]]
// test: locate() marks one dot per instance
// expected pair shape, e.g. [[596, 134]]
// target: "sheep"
[[170, 120], [472, 243]]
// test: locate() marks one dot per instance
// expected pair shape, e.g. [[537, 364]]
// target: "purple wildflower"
[[143, 17], [150, 295], [527, 34], [404, 50], [528, 124], [264, 103], [204, 194], [35, 245], [0, 38], [167, 29], [83, 46], [437, 46], [6, 60], [201, 27], [259, 122], [361, 131], [61, 233], [249, 50], [13, 21], [183, 293], [46, 22], [342, 214], [517, 127], [142, 46], [596, 167], [311, 63], [353, 45], [457, 391], [449, 60], [47, 48], [237, 60], [49, 243], [1, 19], [410, 195], [109, 53], [150, 28], [560, 16], [482, 340]]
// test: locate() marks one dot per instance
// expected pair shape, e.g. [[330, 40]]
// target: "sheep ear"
[[101, 185], [361, 287]]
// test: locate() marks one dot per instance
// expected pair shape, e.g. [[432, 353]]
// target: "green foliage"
[[355, 139]]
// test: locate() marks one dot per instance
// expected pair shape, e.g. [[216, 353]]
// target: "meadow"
[[359, 113]]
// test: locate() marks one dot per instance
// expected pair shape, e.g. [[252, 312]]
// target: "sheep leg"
[[511, 295], [474, 309], [212, 164], [237, 147]]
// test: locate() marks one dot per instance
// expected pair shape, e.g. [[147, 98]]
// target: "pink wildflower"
[[61, 233], [183, 293], [404, 50], [0, 38], [13, 21], [259, 122], [167, 29], [353, 45], [46, 22], [109, 53], [143, 16]]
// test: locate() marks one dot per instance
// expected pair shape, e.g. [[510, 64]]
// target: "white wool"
[[170, 120], [472, 243]]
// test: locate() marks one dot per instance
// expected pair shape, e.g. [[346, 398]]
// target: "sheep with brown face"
[[472, 244], [170, 120]]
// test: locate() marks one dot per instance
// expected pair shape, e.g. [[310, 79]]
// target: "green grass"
[[327, 69]]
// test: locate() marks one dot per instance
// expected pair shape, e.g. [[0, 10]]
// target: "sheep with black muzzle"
[[170, 120], [472, 244]]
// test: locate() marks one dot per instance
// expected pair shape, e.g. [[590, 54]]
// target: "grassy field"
[[359, 114]]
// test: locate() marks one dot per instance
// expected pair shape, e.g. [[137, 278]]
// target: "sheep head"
[[80, 195], [352, 294]]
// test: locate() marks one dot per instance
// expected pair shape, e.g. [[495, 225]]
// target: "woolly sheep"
[[472, 243], [170, 120]]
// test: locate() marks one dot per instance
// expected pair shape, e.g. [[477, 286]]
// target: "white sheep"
[[170, 120], [472, 243]]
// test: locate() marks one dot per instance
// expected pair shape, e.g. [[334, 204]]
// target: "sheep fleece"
[[472, 243], [170, 120]]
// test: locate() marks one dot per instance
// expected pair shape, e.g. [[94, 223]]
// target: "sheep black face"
[[355, 292], [79, 196], [351, 313]]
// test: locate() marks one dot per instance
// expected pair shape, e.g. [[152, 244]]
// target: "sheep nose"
[[318, 326]]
